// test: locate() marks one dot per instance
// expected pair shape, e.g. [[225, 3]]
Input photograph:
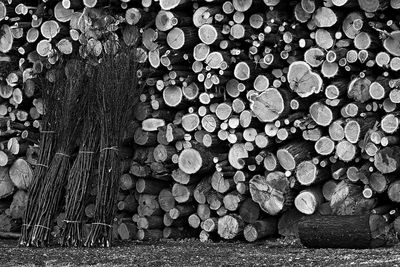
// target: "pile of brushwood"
[[86, 108]]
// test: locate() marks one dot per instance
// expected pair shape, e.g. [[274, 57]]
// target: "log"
[[308, 200], [182, 210], [203, 212], [393, 191], [127, 231], [19, 204], [201, 190], [237, 152], [387, 159], [348, 200], [149, 186], [21, 174], [260, 229], [148, 205], [220, 183], [182, 193], [249, 211], [194, 221], [193, 161], [302, 80], [272, 192], [269, 105], [307, 173], [128, 204], [149, 234], [166, 200], [150, 222], [290, 155], [210, 225], [362, 231], [232, 200], [230, 226], [289, 222], [6, 184]]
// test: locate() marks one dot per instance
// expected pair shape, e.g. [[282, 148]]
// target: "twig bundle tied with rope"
[[51, 93], [52, 187], [117, 90], [79, 175]]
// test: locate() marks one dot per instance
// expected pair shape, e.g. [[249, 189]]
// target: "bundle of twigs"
[[52, 187], [50, 92], [79, 176], [118, 91]]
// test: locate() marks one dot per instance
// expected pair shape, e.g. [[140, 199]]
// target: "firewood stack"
[[256, 113]]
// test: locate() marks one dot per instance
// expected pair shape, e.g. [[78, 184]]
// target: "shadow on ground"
[[195, 253]]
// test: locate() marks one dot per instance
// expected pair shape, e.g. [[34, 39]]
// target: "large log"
[[6, 184], [351, 231], [272, 192]]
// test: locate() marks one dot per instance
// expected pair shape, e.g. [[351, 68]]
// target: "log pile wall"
[[256, 113]]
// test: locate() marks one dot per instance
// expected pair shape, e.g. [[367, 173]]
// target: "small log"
[[321, 114], [345, 151], [149, 234], [328, 189], [152, 124], [214, 199], [182, 210], [129, 204], [308, 173], [389, 123], [149, 186], [308, 200], [194, 221], [220, 183], [166, 200], [150, 222], [363, 231], [324, 146], [127, 231], [260, 229], [232, 200], [209, 34], [195, 160], [237, 152], [210, 225], [249, 211], [190, 122], [203, 212], [148, 205], [182, 193], [292, 154], [183, 37], [201, 190], [230, 226], [164, 153]]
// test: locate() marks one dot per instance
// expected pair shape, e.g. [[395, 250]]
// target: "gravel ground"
[[195, 253]]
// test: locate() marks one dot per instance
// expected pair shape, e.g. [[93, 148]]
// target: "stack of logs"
[[256, 112]]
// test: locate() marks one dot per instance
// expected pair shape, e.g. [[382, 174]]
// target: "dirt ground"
[[195, 253]]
